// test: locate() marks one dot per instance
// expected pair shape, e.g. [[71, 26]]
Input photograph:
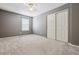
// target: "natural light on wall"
[[25, 24]]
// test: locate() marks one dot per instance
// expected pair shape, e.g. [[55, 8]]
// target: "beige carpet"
[[35, 45]]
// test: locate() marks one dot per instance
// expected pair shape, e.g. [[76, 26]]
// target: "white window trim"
[[25, 21]]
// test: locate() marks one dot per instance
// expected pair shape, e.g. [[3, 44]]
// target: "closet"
[[57, 25], [51, 26]]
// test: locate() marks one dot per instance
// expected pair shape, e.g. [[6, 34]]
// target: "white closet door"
[[51, 26], [62, 25]]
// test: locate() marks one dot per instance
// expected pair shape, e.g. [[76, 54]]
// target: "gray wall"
[[39, 25], [10, 24], [39, 22], [75, 24]]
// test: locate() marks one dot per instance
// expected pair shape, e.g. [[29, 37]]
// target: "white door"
[[51, 26], [62, 25]]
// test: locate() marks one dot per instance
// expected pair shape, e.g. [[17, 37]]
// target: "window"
[[25, 24]]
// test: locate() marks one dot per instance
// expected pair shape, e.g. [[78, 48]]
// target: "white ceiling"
[[22, 9]]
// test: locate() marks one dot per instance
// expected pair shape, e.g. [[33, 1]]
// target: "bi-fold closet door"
[[51, 26], [57, 26]]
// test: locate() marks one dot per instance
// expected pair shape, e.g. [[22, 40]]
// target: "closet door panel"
[[62, 25], [58, 23], [51, 26]]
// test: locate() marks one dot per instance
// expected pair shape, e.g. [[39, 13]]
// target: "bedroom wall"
[[75, 24], [39, 25], [10, 24]]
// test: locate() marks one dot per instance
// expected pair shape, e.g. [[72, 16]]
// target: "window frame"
[[25, 24]]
